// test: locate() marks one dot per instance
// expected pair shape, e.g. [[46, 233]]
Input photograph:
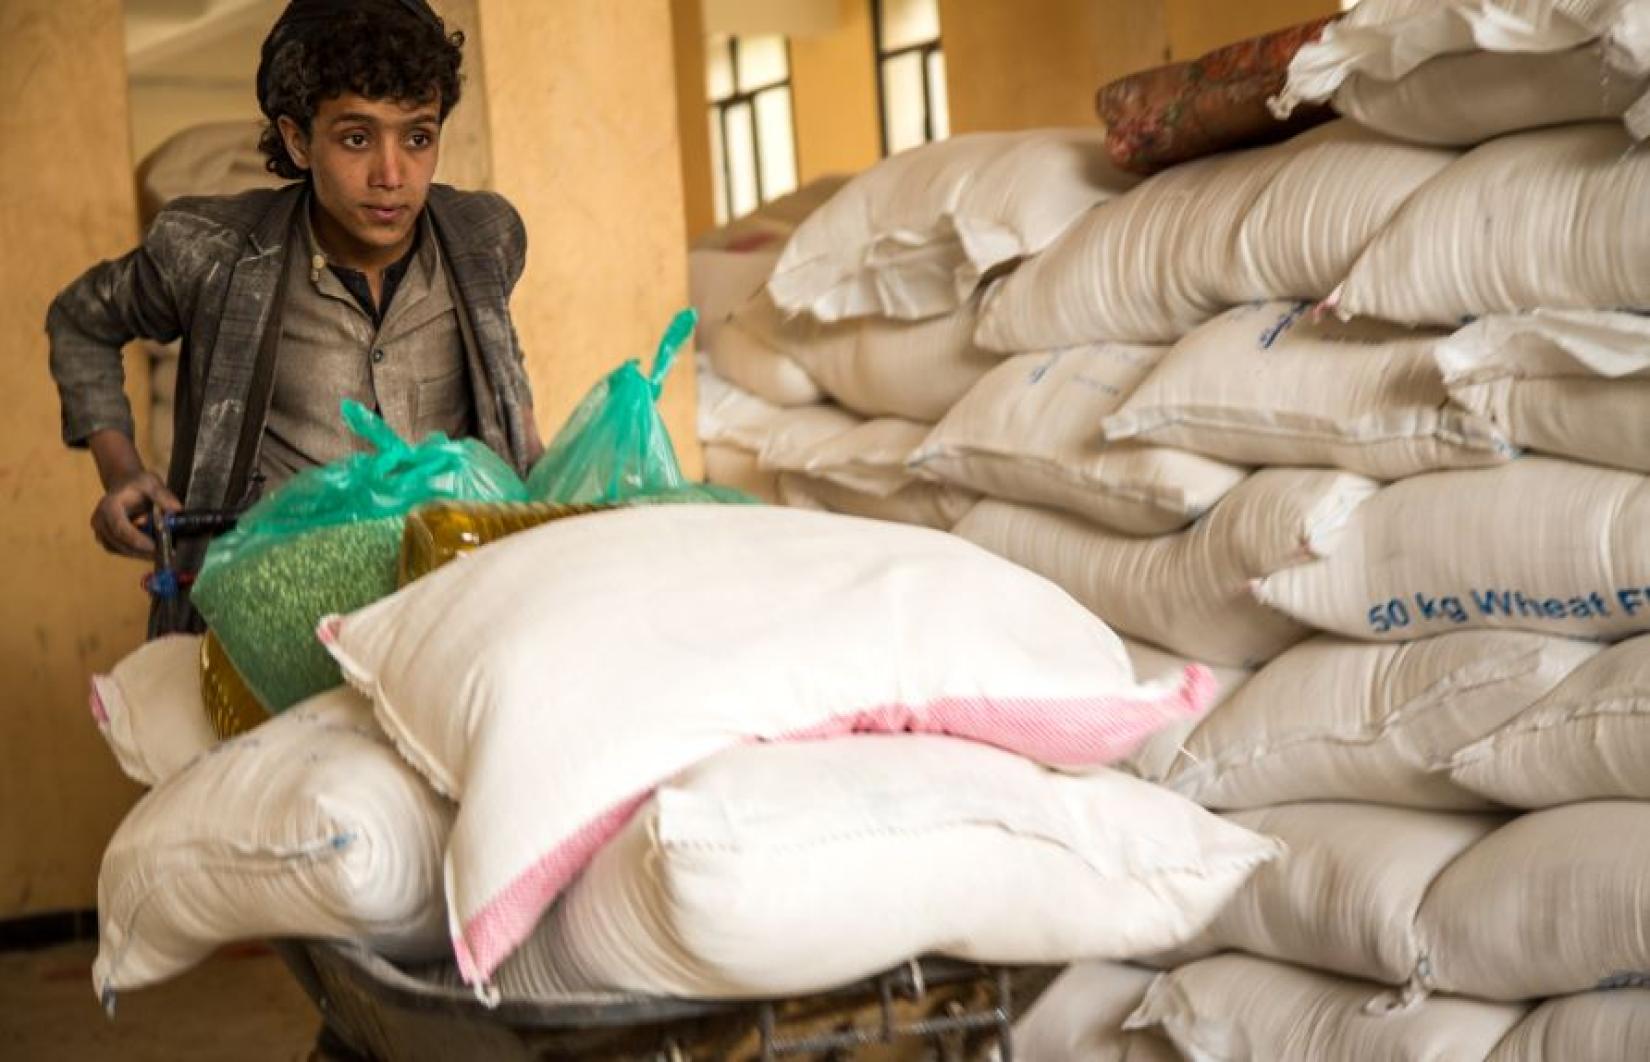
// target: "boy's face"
[[370, 164]]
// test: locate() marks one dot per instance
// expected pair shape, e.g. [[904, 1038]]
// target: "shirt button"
[[377, 356]]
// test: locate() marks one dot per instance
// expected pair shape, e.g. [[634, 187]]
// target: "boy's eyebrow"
[[367, 119]]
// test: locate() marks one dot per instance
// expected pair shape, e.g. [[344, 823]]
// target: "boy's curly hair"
[[382, 53]]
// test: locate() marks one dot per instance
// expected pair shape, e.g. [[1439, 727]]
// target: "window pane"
[[718, 67], [774, 131], [908, 22], [718, 180], [939, 107], [741, 149], [762, 61], [902, 110]]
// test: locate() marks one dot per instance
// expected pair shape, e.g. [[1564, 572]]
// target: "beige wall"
[[582, 118], [692, 111], [1028, 63], [1018, 64], [1198, 26], [68, 609], [834, 86]]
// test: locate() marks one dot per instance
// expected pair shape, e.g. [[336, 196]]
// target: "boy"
[[361, 279]]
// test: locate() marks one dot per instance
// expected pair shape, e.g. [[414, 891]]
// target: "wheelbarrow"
[[930, 1009]]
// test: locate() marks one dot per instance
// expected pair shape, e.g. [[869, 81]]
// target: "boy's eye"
[[420, 139], [356, 140]]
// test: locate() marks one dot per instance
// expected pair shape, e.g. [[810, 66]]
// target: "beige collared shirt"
[[411, 368]]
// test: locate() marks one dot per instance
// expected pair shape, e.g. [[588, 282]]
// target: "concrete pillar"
[[693, 116], [582, 118], [834, 89], [68, 609]]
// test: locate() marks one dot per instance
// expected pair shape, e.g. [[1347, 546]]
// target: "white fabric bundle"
[[1547, 219], [552, 680], [1338, 720], [747, 352], [720, 282], [1467, 98], [779, 869], [1188, 592], [1029, 432], [1572, 383], [1285, 221], [932, 505], [1590, 1025], [1079, 1018], [1589, 739], [1345, 894], [913, 236], [1537, 545], [875, 366], [311, 826], [1156, 758], [1385, 40], [149, 708], [1549, 904], [1233, 1008], [1265, 385]]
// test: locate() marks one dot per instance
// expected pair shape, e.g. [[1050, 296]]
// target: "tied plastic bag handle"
[[393, 455], [670, 344]]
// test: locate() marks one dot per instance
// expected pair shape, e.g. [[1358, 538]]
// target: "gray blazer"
[[209, 270]]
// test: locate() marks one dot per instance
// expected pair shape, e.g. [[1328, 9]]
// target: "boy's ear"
[[296, 141]]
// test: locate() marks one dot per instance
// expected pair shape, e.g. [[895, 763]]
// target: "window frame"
[[721, 107], [926, 50]]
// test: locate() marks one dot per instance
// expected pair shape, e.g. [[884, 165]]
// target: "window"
[[910, 73], [752, 133]]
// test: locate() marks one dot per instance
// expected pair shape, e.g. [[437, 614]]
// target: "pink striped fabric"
[[1064, 731]]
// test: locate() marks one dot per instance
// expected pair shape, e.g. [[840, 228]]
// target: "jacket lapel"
[[248, 310]]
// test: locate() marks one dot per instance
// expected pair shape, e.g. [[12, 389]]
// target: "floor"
[[242, 1004]]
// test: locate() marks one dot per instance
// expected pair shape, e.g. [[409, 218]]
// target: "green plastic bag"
[[329, 541], [614, 448]]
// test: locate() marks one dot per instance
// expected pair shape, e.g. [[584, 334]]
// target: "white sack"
[[150, 710], [1589, 739], [1599, 1025], [1079, 1018], [772, 870], [1265, 384], [1338, 720], [913, 236], [1285, 221], [1344, 896], [1234, 1008], [1572, 383], [720, 282], [880, 367], [1537, 545], [1551, 903], [731, 415], [1156, 758], [552, 680], [311, 826], [1548, 219], [1187, 592], [1386, 40], [731, 466], [747, 351], [870, 457], [1029, 431], [1467, 98], [923, 504]]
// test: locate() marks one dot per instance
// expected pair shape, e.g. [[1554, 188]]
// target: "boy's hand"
[[131, 491], [114, 521]]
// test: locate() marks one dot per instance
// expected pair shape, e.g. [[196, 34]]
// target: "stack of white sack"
[[629, 818], [873, 305], [1460, 72]]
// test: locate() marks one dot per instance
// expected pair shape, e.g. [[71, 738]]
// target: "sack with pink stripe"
[[551, 681]]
